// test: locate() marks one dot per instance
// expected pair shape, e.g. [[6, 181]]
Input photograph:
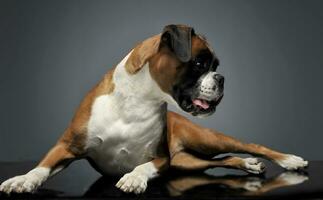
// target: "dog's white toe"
[[253, 165], [292, 162], [133, 182], [20, 184], [293, 178]]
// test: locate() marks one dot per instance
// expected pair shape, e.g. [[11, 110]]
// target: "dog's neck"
[[137, 92]]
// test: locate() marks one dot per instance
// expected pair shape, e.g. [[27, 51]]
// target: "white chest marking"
[[125, 127]]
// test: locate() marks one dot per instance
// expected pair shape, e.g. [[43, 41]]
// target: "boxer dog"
[[123, 127]]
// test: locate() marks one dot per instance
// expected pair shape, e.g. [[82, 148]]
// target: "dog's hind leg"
[[187, 161], [183, 134], [55, 160]]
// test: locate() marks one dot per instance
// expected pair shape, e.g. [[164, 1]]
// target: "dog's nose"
[[220, 79]]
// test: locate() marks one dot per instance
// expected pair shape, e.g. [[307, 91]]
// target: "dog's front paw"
[[133, 182], [25, 183], [292, 162], [20, 184], [253, 165]]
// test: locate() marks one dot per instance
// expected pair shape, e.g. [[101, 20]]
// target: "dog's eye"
[[199, 64], [198, 61]]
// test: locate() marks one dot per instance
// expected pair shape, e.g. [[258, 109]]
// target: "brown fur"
[[183, 136], [56, 155], [199, 44], [142, 53]]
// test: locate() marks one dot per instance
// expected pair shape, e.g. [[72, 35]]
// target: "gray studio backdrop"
[[271, 53]]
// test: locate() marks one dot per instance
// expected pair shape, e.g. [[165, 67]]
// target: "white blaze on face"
[[207, 87], [207, 91]]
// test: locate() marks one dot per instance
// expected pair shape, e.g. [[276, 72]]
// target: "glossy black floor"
[[81, 181]]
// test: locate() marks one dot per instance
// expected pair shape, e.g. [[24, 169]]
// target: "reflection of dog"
[[250, 185], [119, 125], [193, 184]]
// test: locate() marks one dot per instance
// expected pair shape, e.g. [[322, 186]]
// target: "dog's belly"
[[116, 144]]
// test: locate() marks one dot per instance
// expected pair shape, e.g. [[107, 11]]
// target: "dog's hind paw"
[[292, 162]]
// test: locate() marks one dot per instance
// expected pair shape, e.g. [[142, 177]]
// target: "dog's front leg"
[[136, 180], [56, 159]]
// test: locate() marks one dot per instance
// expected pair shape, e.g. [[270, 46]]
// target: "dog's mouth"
[[201, 103], [204, 104], [200, 106]]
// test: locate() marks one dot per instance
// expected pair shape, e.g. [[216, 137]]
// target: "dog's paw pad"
[[133, 182], [20, 184], [292, 162], [253, 165]]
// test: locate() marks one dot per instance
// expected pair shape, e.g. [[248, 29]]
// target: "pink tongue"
[[202, 103]]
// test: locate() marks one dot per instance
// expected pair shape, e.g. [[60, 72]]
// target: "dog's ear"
[[141, 53], [179, 39]]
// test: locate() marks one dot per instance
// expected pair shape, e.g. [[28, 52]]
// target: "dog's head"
[[184, 66]]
